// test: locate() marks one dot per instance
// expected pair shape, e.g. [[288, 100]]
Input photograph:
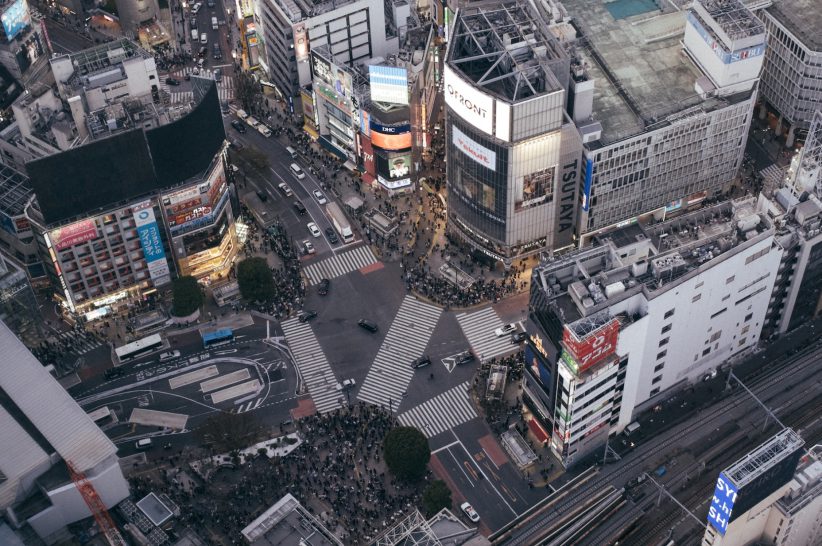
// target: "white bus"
[[139, 348]]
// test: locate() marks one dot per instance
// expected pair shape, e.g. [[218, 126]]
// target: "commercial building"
[[792, 73], [645, 312], [18, 306], [763, 497], [23, 38], [666, 128], [288, 523], [37, 438], [513, 155], [16, 236]]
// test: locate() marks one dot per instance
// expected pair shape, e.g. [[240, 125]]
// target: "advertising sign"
[[479, 153], [15, 19], [389, 129], [537, 187], [539, 368], [300, 42], [586, 191], [399, 166], [765, 484], [389, 84], [7, 224], [400, 141], [471, 105], [74, 234], [336, 77], [368, 156], [365, 122], [151, 242], [594, 347], [722, 504]]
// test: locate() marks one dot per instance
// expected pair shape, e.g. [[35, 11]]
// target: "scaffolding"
[[763, 458]]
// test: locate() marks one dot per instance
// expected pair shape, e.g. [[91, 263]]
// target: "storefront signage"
[[565, 204], [300, 42], [593, 347], [471, 105], [479, 153], [74, 234], [390, 129]]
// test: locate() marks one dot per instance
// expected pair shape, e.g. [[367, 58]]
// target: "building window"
[[664, 341], [666, 328], [696, 298], [748, 317], [719, 312], [716, 336], [659, 367], [661, 354], [730, 279], [656, 380], [706, 351], [669, 314], [654, 391]]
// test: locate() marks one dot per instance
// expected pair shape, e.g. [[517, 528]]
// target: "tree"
[[187, 296], [436, 497], [228, 432], [255, 280], [247, 90], [406, 453]]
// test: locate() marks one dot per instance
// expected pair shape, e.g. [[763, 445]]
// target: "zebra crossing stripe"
[[340, 264], [441, 413], [313, 366], [479, 327], [391, 372]]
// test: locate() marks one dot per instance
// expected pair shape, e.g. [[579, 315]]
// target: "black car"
[[332, 235], [172, 81], [193, 22], [464, 357], [518, 337], [112, 373], [306, 315], [421, 362], [325, 284], [299, 207], [216, 52], [238, 126], [203, 51], [368, 325], [262, 195]]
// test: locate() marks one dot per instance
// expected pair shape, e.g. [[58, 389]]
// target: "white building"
[[37, 437]]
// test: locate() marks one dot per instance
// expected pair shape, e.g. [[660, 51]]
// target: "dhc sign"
[[719, 514]]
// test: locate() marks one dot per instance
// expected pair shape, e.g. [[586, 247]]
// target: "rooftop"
[[287, 523], [734, 18], [764, 457], [648, 259], [803, 18], [97, 59], [15, 191], [507, 49]]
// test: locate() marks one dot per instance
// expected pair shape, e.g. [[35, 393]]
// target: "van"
[[203, 38], [241, 114], [213, 23], [291, 151], [145, 443], [194, 35], [170, 355], [285, 189], [265, 131], [252, 121], [297, 171]]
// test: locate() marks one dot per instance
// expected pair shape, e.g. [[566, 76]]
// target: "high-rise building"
[[792, 73], [645, 312], [23, 40], [37, 437]]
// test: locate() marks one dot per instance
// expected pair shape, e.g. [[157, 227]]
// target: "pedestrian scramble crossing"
[[225, 87], [81, 342], [314, 368], [773, 175], [443, 412], [479, 327], [340, 264], [389, 376]]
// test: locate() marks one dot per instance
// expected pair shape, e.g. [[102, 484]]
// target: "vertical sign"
[[151, 242], [722, 504]]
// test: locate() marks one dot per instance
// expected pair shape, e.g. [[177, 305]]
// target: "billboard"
[[539, 369], [393, 171], [765, 483], [722, 504], [468, 103], [476, 151], [334, 76], [365, 123], [367, 156], [74, 234], [151, 242], [593, 347], [400, 141], [389, 84], [586, 190], [300, 42], [15, 19], [537, 187]]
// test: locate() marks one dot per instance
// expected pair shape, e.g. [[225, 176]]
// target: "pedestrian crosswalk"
[[80, 343], [443, 412], [389, 376], [773, 175], [313, 366], [479, 327], [340, 264], [225, 87]]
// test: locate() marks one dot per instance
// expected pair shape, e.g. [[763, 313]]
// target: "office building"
[[354, 31], [792, 72], [648, 310], [23, 40], [36, 489], [513, 155], [667, 127], [16, 236], [764, 497], [18, 306]]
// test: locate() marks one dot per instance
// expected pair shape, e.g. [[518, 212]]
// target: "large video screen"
[[15, 19], [389, 84]]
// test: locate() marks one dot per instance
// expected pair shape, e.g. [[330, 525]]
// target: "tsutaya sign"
[[474, 107]]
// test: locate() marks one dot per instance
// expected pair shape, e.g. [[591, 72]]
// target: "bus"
[[219, 337], [139, 348]]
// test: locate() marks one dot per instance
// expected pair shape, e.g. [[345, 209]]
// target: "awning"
[[538, 431], [330, 147], [354, 202]]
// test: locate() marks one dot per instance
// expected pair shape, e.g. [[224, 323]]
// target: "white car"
[[309, 248], [347, 384], [313, 229], [505, 330], [170, 355], [470, 512], [318, 195]]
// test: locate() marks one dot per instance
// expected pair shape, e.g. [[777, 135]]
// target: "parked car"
[[421, 362], [325, 285], [193, 22], [505, 330], [313, 229], [306, 315], [169, 355], [470, 512], [464, 357], [262, 195], [238, 126], [368, 325], [318, 195]]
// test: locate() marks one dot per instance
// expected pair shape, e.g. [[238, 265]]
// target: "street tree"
[[247, 90], [187, 296], [255, 280], [226, 432], [435, 497], [406, 453]]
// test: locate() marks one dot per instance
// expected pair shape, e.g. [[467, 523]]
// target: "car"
[[299, 207], [238, 126], [224, 107], [347, 384], [470, 512], [218, 74], [306, 315], [210, 4], [187, 77], [318, 195], [332, 235], [368, 325], [203, 51], [193, 22], [217, 54], [325, 284], [518, 337], [421, 362], [169, 355], [308, 247], [262, 195], [112, 373], [313, 229], [172, 81], [464, 357], [505, 330], [195, 71]]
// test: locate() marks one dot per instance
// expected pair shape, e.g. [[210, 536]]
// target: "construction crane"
[[96, 506]]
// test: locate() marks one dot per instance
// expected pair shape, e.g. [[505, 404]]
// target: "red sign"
[[73, 234], [368, 155], [594, 347]]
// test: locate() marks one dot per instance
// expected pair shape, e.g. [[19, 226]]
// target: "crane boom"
[[96, 506]]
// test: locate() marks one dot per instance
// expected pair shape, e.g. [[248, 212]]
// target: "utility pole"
[[768, 412]]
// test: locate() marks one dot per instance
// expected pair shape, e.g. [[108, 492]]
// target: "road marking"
[[461, 469], [443, 448], [489, 482]]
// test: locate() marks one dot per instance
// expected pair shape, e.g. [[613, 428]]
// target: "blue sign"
[[586, 191], [15, 19], [725, 56], [390, 129], [151, 242], [719, 514]]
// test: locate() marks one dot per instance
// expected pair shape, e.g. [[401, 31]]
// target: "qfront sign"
[[722, 504], [474, 107]]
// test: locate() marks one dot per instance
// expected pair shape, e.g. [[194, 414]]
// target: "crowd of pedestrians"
[[62, 349]]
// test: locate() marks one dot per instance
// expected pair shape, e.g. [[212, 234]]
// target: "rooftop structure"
[[803, 18], [442, 529], [764, 457], [15, 192], [91, 63], [734, 18], [288, 523]]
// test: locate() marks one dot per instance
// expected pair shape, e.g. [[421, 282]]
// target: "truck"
[[340, 222], [214, 25]]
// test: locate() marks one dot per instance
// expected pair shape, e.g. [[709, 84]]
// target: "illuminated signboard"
[[74, 234], [594, 347], [151, 242], [479, 153], [387, 137], [389, 84], [300, 42], [368, 156], [15, 19], [586, 190], [722, 504], [467, 102]]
